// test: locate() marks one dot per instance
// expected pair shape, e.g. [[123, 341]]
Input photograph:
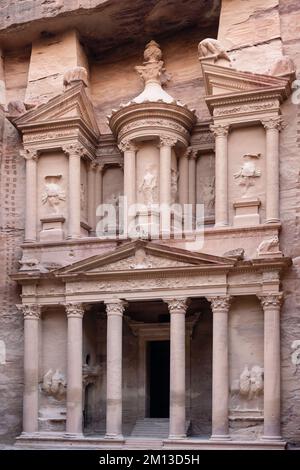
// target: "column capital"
[[167, 141], [115, 307], [75, 149], [176, 305], [29, 154], [275, 123], [93, 166], [30, 311], [220, 303], [271, 301], [127, 145], [75, 310], [219, 130]]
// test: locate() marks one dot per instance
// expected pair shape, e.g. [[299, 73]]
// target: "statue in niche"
[[295, 356], [248, 172], [148, 187], [54, 384], [140, 260], [268, 246], [174, 185], [53, 194]]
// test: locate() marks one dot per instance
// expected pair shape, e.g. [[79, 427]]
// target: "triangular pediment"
[[72, 105], [220, 80], [140, 256]]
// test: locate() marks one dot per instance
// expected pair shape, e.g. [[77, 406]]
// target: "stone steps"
[[151, 427]]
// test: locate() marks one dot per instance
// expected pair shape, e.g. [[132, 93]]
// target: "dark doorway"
[[159, 378]]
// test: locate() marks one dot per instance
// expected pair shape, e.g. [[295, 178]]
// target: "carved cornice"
[[271, 301], [219, 130], [75, 310], [220, 303], [275, 123], [177, 305], [29, 154], [167, 141], [30, 311], [115, 307]]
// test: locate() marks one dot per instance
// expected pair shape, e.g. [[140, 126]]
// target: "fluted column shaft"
[[177, 308], [75, 314], [271, 306], [220, 375], [114, 311], [74, 152], [32, 314], [272, 126], [31, 158], [221, 174]]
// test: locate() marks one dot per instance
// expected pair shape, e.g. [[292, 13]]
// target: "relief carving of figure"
[[54, 384], [140, 260], [209, 195], [53, 194], [295, 356], [82, 197], [248, 172], [268, 246], [212, 48], [250, 384], [148, 187], [174, 184]]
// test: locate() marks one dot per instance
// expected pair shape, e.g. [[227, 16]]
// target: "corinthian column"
[[32, 314], [272, 126], [129, 149], [75, 153], [220, 375], [92, 195], [31, 158], [221, 173], [177, 309], [74, 356], [114, 311], [271, 306], [166, 144]]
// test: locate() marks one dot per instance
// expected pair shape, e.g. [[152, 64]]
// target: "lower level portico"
[[152, 338]]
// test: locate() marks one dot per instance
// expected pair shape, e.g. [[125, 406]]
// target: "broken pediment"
[[71, 107], [220, 80], [140, 256]]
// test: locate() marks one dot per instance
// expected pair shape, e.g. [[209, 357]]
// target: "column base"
[[221, 224], [114, 437], [220, 437], [272, 221], [271, 438], [73, 435], [177, 436]]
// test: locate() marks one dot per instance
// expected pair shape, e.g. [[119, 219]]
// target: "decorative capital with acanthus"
[[271, 301], [275, 123], [30, 311], [29, 154], [115, 307], [167, 141], [219, 130], [127, 145], [75, 149], [75, 310], [177, 305], [153, 66], [220, 303]]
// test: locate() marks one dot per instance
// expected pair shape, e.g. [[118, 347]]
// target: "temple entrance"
[[159, 378]]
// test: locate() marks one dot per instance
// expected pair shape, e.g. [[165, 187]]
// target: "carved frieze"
[[244, 108]]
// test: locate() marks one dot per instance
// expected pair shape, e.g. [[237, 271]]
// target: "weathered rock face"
[[39, 43]]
